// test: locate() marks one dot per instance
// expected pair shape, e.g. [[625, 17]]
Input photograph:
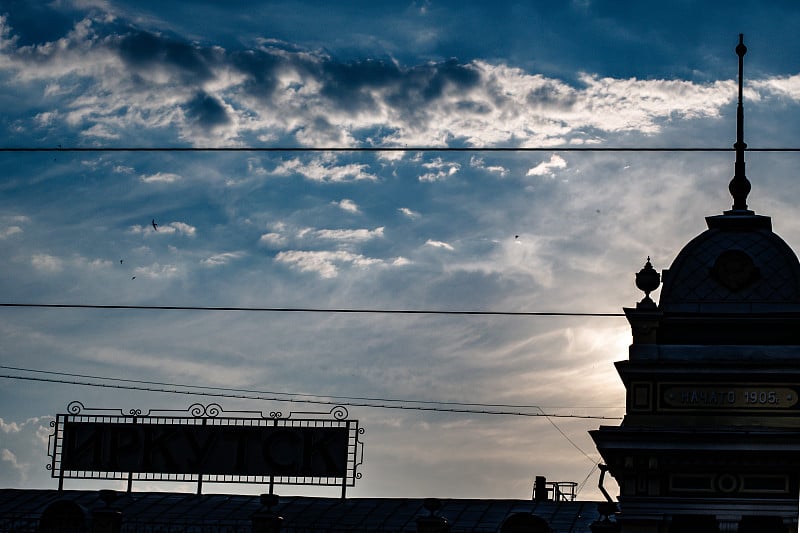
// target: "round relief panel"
[[734, 269]]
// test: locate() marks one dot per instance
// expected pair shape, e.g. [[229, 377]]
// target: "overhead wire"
[[20, 149], [308, 310], [117, 383], [231, 389]]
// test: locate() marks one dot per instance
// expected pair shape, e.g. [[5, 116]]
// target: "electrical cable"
[[574, 445], [302, 401], [586, 479], [307, 310], [302, 395], [18, 149]]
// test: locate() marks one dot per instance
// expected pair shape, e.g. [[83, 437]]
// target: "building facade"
[[711, 437]]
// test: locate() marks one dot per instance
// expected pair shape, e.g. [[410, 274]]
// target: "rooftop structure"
[[711, 437]]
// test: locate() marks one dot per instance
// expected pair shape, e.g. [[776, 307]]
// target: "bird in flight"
[[155, 226]]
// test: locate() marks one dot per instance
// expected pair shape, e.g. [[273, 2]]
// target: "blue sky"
[[552, 231]]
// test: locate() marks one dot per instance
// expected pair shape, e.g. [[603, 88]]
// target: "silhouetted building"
[[711, 437], [85, 511]]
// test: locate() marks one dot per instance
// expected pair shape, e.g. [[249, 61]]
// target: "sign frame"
[[312, 426]]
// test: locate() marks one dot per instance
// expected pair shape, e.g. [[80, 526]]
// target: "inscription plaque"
[[739, 397]]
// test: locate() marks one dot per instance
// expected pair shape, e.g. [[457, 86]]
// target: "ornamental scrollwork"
[[339, 412], [75, 407]]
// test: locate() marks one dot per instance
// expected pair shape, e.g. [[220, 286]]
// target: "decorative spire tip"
[[740, 185]]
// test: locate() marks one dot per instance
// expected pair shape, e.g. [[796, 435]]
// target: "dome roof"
[[735, 284], [737, 266]]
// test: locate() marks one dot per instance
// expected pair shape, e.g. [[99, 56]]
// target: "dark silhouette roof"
[[21, 509]]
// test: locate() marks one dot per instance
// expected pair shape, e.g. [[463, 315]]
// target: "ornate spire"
[[740, 185]]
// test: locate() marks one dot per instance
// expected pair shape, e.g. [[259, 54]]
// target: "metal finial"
[[740, 185]]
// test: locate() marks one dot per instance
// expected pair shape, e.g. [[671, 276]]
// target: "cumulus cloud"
[[47, 263], [8, 456], [114, 81], [24, 446], [157, 271], [325, 170], [170, 228], [182, 228], [123, 169], [161, 177], [549, 167], [439, 170], [348, 235], [439, 244], [477, 162], [272, 239], [221, 259], [408, 212], [347, 205], [46, 118], [9, 231], [325, 263]]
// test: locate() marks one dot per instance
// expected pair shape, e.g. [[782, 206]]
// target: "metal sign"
[[202, 443]]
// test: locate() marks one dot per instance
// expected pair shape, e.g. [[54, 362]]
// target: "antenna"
[[740, 185]]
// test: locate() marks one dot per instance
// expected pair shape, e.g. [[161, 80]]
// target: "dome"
[[737, 283], [738, 265]]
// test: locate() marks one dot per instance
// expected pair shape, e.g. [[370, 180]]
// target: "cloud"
[[439, 244], [207, 111], [45, 118], [548, 168], [123, 169], [439, 170], [157, 271], [348, 235], [325, 263], [47, 263], [273, 240], [182, 228], [324, 169], [408, 212], [114, 79], [170, 228], [221, 259], [477, 162], [159, 177], [9, 457], [101, 131], [24, 445], [9, 231], [347, 205]]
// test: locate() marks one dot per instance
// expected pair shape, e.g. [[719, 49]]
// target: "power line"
[[308, 310], [406, 407], [373, 149], [287, 149], [230, 389], [21, 149]]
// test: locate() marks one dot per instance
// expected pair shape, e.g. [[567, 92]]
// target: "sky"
[[477, 230]]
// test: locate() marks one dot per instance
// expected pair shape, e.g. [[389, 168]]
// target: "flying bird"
[[155, 226], [120, 261]]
